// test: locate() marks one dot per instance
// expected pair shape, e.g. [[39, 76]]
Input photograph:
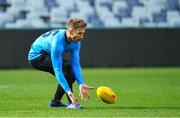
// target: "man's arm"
[[75, 62], [56, 57]]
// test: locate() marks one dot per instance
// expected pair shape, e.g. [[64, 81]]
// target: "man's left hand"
[[84, 89]]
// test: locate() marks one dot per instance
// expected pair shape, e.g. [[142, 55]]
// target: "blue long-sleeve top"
[[55, 44]]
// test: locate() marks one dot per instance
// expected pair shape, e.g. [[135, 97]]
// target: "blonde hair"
[[76, 23]]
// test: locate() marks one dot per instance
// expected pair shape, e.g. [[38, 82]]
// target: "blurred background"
[[131, 46], [120, 32], [98, 13]]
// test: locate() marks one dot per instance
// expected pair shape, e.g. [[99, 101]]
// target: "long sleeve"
[[75, 61], [56, 56]]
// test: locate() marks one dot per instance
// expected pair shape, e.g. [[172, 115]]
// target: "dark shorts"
[[44, 63]]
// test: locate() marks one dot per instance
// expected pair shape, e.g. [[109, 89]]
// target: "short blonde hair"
[[76, 23]]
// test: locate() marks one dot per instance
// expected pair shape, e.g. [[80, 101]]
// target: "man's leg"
[[44, 63], [67, 71]]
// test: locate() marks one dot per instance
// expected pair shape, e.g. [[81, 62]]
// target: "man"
[[46, 54]]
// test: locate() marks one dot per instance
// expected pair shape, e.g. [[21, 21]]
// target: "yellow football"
[[106, 94]]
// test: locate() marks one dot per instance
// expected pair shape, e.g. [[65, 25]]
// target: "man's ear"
[[71, 31]]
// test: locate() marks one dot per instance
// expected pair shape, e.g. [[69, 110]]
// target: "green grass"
[[143, 92]]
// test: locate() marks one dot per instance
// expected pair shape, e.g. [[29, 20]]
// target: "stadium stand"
[[98, 13]]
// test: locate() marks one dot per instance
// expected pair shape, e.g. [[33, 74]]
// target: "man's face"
[[77, 34]]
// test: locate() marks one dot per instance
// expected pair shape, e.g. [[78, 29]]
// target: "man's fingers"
[[74, 100], [88, 97], [84, 97], [84, 89], [81, 96], [88, 87], [91, 87]]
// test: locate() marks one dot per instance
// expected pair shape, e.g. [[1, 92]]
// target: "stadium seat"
[[121, 9], [159, 17], [129, 22], [133, 3], [143, 20], [69, 5], [3, 1], [38, 23], [5, 18], [4, 5], [98, 13], [172, 14], [112, 22], [58, 14], [140, 13], [50, 4], [149, 25], [173, 5], [21, 23]]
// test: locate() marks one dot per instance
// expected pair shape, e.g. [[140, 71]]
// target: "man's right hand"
[[74, 100]]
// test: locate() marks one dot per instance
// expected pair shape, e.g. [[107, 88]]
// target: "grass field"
[[141, 92]]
